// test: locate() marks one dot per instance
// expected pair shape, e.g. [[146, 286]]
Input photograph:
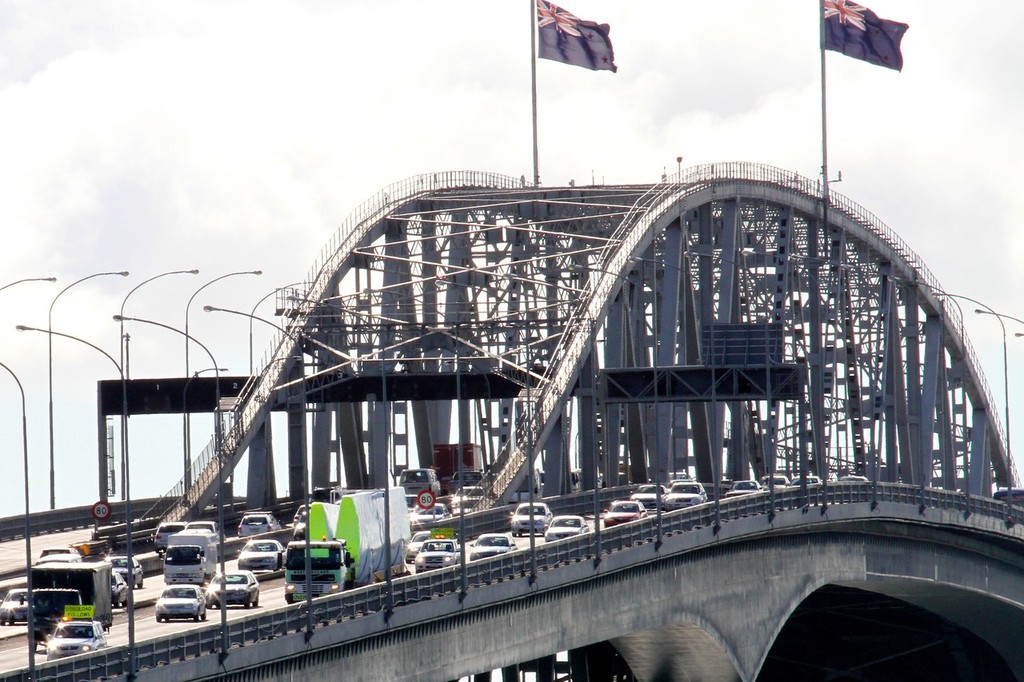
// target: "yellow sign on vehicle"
[[79, 611], [442, 533]]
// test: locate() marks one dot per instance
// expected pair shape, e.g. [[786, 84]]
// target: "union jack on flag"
[[566, 38], [857, 32]]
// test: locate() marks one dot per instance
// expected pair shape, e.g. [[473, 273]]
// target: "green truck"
[[347, 544]]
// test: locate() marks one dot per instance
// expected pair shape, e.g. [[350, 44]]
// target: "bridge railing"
[[269, 623]]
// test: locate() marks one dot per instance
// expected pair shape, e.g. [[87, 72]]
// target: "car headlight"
[[85, 648]]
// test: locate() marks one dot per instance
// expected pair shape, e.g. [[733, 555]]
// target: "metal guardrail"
[[58, 520], [371, 599]]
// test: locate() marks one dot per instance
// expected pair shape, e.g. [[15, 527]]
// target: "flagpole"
[[821, 455], [824, 119], [533, 86]]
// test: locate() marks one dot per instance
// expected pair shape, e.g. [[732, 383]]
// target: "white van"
[[191, 557]]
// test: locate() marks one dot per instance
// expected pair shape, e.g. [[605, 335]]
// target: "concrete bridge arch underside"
[[470, 307]]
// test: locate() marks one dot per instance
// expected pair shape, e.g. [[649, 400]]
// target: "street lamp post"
[[124, 338], [29, 611], [186, 422], [220, 465], [49, 373], [252, 315], [299, 339], [128, 522], [1006, 379], [29, 279]]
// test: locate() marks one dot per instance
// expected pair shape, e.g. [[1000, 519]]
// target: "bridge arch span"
[[530, 296]]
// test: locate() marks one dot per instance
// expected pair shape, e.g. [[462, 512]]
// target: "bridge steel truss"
[[553, 290]]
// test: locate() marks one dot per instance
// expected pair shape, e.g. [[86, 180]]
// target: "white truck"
[[191, 557], [347, 544]]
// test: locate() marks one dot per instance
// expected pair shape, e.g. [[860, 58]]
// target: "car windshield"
[[260, 547], [496, 541], [15, 597], [438, 547], [626, 508], [72, 631], [689, 489], [416, 476], [183, 554], [119, 562], [568, 523], [179, 593], [235, 579], [421, 536]]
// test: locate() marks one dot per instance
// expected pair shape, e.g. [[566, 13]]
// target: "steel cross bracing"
[[483, 275]]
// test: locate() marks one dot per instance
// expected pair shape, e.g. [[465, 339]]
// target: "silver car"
[[14, 608], [181, 601], [261, 555]]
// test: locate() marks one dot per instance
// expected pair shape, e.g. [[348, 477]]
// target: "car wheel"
[[248, 603], [196, 617], [203, 617], [141, 580], [256, 602]]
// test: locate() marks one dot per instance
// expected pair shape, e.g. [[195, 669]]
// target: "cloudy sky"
[[237, 135]]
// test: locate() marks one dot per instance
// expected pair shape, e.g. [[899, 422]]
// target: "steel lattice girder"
[[700, 384]]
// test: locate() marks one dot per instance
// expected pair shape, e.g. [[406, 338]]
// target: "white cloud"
[[230, 135]]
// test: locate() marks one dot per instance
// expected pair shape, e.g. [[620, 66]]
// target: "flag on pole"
[[858, 32], [566, 38]]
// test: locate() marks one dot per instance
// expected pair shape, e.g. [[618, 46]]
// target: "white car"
[[208, 526], [261, 555], [685, 494], [134, 577], [181, 601], [164, 531], [648, 494], [467, 497], [437, 553], [412, 548], [422, 518], [740, 488], [521, 518], [566, 526], [255, 523], [75, 637], [779, 480], [14, 608], [491, 544]]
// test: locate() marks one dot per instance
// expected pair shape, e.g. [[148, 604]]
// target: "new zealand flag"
[[571, 40], [857, 32]]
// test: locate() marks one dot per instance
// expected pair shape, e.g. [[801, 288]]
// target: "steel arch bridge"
[[715, 323]]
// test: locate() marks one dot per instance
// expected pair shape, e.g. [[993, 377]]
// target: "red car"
[[623, 511]]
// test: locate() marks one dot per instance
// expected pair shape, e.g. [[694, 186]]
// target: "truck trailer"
[[347, 544], [51, 588]]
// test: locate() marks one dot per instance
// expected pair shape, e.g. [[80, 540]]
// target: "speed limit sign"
[[101, 511], [425, 498]]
